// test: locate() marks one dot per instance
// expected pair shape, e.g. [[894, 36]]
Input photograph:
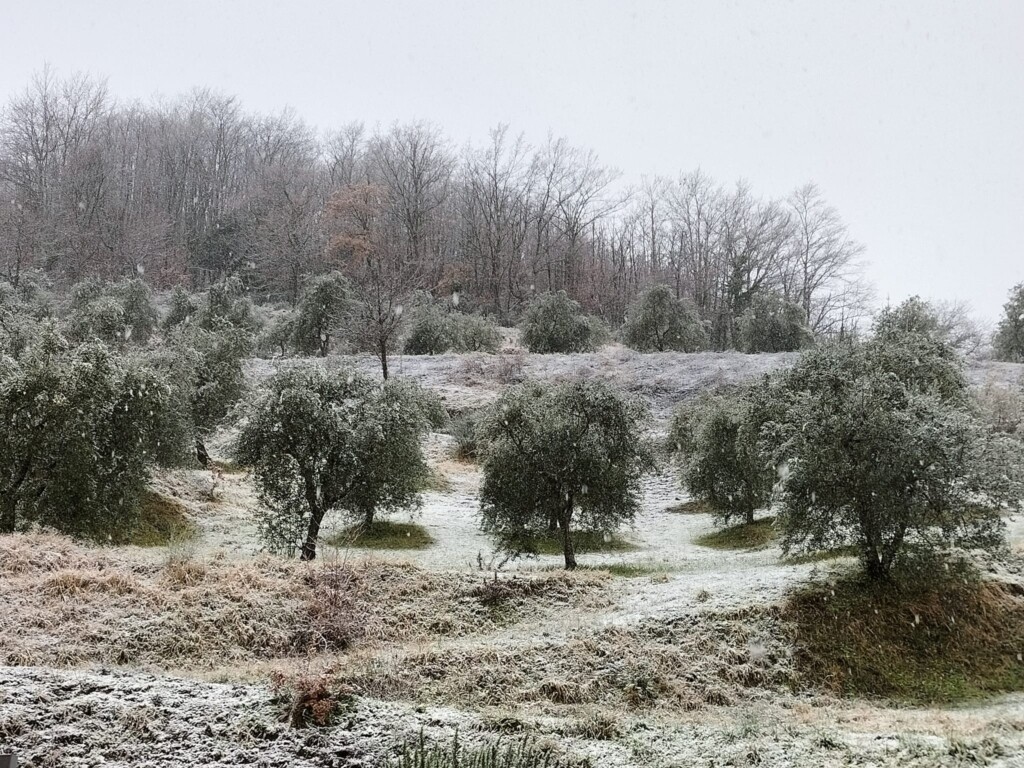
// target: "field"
[[674, 648]]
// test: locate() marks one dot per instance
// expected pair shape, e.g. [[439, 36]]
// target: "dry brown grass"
[[66, 603], [689, 663]]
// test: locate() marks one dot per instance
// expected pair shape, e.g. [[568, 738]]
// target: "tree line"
[[195, 190]]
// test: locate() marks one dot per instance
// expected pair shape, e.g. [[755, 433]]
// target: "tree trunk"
[[201, 453], [383, 354], [368, 519], [750, 516], [316, 517], [312, 536], [567, 547]]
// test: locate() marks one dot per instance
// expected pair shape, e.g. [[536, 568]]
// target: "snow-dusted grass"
[[687, 661]]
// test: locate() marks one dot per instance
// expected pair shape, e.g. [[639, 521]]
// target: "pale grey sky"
[[909, 115]]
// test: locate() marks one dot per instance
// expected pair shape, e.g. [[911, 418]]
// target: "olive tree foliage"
[[114, 313], [1009, 339], [554, 323], [184, 307], [82, 425], [321, 314], [560, 458], [772, 324], [320, 442], [226, 304], [435, 329], [22, 312], [658, 321], [431, 330], [717, 439], [878, 446]]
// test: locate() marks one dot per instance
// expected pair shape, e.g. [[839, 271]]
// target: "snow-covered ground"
[[127, 718]]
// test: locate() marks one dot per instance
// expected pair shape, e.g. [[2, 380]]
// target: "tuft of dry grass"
[[383, 534], [161, 520]]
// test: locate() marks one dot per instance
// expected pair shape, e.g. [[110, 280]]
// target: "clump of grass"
[[928, 641], [311, 700], [161, 521], [583, 542], [525, 752], [383, 534], [823, 555], [693, 507], [755, 535], [622, 570], [436, 481]]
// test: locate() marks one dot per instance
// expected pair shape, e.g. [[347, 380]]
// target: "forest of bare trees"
[[196, 189]]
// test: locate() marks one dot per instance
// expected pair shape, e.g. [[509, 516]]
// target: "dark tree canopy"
[[877, 446], [772, 324], [321, 314], [561, 457], [658, 321], [717, 439], [554, 323], [1009, 338], [322, 442], [82, 425]]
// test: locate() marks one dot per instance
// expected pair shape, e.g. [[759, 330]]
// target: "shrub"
[[431, 331], [717, 437], [554, 323], [82, 426], [474, 333], [658, 321], [321, 314], [558, 457], [114, 313], [878, 447], [772, 324], [464, 429], [320, 442], [277, 339], [184, 307], [227, 304], [1009, 339]]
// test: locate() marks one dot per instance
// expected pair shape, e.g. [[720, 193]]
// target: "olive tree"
[[321, 314], [555, 323], [320, 442], [1009, 338], [430, 332], [658, 321], [114, 313], [717, 440], [772, 324], [558, 458], [877, 446], [82, 425]]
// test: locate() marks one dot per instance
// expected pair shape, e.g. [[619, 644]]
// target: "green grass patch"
[[583, 542], [623, 570], [933, 641], [755, 535], [161, 521], [693, 507], [825, 554], [383, 534]]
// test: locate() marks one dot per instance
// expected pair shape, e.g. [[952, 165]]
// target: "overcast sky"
[[909, 115]]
